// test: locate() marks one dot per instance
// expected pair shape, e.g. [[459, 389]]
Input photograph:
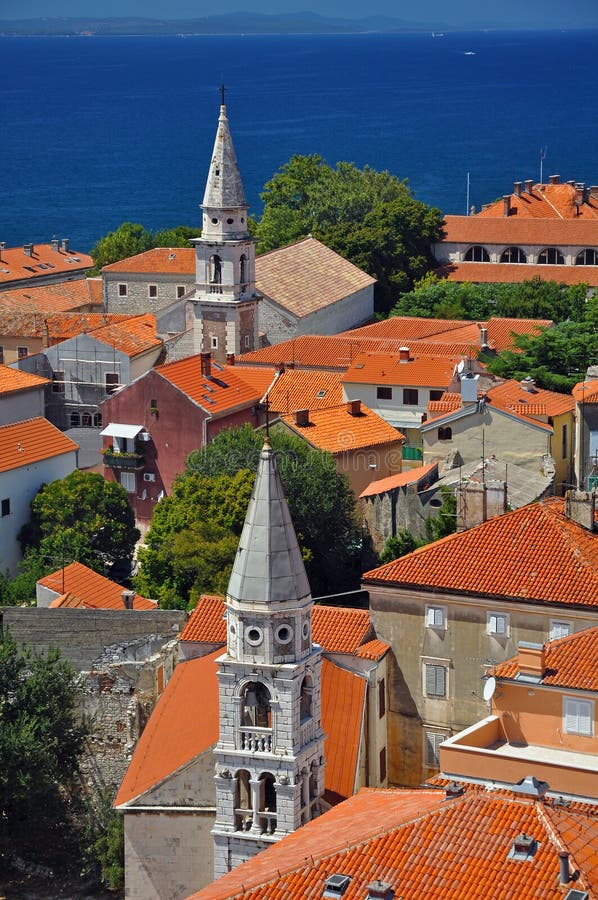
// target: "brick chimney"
[[581, 507], [530, 661], [517, 186], [230, 359], [302, 418], [403, 354], [354, 407], [529, 185], [554, 179], [205, 361], [506, 204]]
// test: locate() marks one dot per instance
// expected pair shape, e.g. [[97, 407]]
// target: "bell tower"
[[226, 315], [270, 752]]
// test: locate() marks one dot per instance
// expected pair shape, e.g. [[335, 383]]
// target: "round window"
[[305, 630], [254, 636], [242, 219], [229, 221], [284, 634], [214, 221], [233, 630]]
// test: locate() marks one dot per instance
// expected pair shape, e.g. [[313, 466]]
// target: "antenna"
[[543, 152], [467, 198]]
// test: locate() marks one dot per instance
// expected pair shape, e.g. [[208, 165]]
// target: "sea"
[[95, 131]]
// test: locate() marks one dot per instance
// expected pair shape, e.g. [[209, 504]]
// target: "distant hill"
[[232, 23]]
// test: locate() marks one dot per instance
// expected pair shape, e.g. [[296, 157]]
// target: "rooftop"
[[410, 476], [535, 553], [31, 441], [160, 261], [223, 390], [516, 273], [295, 389], [546, 201], [383, 369], [78, 586], [61, 296], [12, 381], [569, 662], [337, 430], [586, 391], [16, 264], [53, 327], [512, 230], [530, 400]]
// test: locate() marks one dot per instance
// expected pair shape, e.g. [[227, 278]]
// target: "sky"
[[507, 13]]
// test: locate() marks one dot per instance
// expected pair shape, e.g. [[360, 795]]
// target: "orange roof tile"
[[514, 231], [12, 381], [62, 296], [343, 699], [31, 441], [175, 733], [502, 331], [546, 201], [375, 649], [338, 431], [307, 276], [297, 389], [537, 402], [206, 622], [410, 476], [257, 377], [535, 553], [44, 261], [569, 662], [95, 287], [54, 327], [586, 391], [161, 260], [224, 390], [424, 846], [410, 328], [91, 589], [383, 369], [133, 336], [516, 273]]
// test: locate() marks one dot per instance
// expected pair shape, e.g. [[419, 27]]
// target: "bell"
[[250, 698]]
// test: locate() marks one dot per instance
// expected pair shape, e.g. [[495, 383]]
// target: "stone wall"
[[138, 300]]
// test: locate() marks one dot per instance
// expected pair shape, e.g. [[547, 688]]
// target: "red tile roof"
[[514, 231], [160, 260], [206, 622], [53, 327], [586, 391], [12, 381], [338, 431], [411, 328], [31, 441], [95, 287], [537, 402], [569, 662], [410, 476], [515, 273], [133, 336], [297, 389], [77, 585], [343, 699], [257, 377], [62, 296], [383, 369], [501, 331], [375, 649], [546, 201], [423, 845], [224, 390], [535, 553], [16, 265]]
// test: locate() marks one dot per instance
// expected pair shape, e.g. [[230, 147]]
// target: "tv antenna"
[[467, 198], [543, 152]]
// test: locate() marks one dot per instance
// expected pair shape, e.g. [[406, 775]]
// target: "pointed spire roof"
[[268, 565], [224, 188]]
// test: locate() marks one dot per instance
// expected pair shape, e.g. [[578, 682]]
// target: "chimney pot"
[[205, 361], [506, 204], [230, 359], [380, 890], [403, 354], [517, 186], [564, 875], [302, 418], [354, 407], [28, 248], [279, 369], [54, 243], [554, 179], [529, 184], [65, 245], [528, 384], [128, 598]]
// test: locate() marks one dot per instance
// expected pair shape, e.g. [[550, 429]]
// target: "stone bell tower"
[[270, 753], [225, 301]]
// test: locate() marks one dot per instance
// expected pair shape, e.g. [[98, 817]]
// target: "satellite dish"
[[489, 688]]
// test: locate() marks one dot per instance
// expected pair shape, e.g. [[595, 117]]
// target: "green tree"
[[369, 217], [398, 545], [41, 739], [132, 238], [21, 589], [81, 517], [102, 841]]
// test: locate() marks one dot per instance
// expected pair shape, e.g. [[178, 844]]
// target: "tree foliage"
[[436, 527], [131, 238], [369, 217], [103, 846], [81, 517]]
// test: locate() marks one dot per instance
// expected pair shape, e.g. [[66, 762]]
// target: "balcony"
[[130, 461], [263, 822], [256, 740]]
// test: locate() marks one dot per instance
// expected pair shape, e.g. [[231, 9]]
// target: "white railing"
[[256, 740]]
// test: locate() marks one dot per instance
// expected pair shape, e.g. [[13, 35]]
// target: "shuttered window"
[[435, 617], [432, 742], [579, 716], [497, 624], [435, 680]]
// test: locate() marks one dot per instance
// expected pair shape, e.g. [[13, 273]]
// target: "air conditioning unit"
[[145, 436], [149, 476]]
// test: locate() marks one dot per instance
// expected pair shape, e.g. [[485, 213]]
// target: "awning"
[[114, 429], [399, 418]]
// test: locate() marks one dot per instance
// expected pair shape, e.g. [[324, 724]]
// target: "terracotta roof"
[[175, 734], [378, 368], [12, 381], [447, 404], [160, 260], [410, 476], [95, 287], [31, 441], [546, 201], [16, 265], [257, 377], [133, 336], [425, 846], [336, 629], [338, 431], [307, 276], [535, 553], [536, 402], [569, 662], [54, 327], [343, 699], [406, 328], [515, 273], [375, 649], [514, 231], [77, 582], [297, 389], [501, 331], [225, 389], [586, 391], [62, 296]]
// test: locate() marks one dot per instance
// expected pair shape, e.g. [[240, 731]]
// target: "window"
[[381, 698], [559, 629], [97, 420], [122, 290], [58, 382], [410, 396], [513, 255], [445, 434], [564, 442], [215, 273], [477, 254], [435, 682], [247, 342], [86, 420], [2, 355], [128, 481], [152, 291], [180, 291], [214, 342], [22, 352], [383, 764], [384, 393], [552, 256], [5, 510], [243, 271], [436, 395], [578, 716], [74, 419], [436, 616], [432, 742], [498, 624], [112, 382], [587, 258]]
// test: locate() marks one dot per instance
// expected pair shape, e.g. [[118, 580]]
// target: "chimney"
[[302, 418], [580, 191], [28, 248], [506, 204], [279, 368], [380, 890], [205, 361], [354, 407], [594, 191], [529, 185], [230, 359], [2, 247], [564, 875], [65, 245], [554, 179], [54, 244], [530, 661], [483, 337], [571, 182], [453, 790], [517, 185], [528, 384], [128, 598], [581, 506], [403, 354]]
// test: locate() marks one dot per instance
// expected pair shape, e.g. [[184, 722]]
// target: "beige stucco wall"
[[11, 344], [370, 463]]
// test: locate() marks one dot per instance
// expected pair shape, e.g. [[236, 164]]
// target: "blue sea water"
[[95, 131]]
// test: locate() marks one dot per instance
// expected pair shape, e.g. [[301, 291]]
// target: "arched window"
[[445, 434], [305, 703], [97, 420], [551, 256], [513, 255], [86, 420], [255, 706], [243, 272], [74, 420], [267, 792], [215, 274], [313, 782], [587, 257], [243, 801], [477, 253]]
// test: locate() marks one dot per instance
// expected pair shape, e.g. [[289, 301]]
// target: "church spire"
[[224, 188], [268, 565]]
